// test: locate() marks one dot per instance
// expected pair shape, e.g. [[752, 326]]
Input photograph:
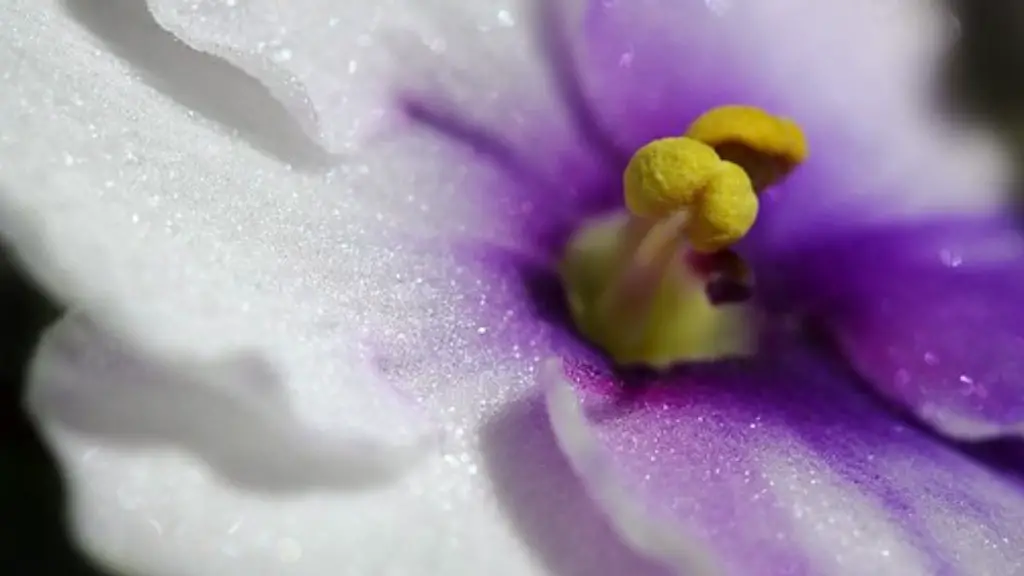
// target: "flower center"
[[640, 282]]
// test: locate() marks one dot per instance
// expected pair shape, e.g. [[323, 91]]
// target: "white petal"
[[232, 413], [336, 64], [271, 300], [165, 227], [642, 529], [225, 269]]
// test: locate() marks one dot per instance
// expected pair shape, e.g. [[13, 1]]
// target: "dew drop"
[[281, 55]]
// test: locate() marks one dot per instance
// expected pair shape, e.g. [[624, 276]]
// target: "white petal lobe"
[[641, 528]]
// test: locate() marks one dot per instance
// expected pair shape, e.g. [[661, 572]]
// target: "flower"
[[240, 303], [718, 467]]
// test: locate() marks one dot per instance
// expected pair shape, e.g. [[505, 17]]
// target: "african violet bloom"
[[237, 312], [635, 217]]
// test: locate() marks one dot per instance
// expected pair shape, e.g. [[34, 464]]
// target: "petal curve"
[[234, 413], [928, 312], [783, 468]]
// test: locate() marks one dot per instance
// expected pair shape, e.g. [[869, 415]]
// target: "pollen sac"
[[726, 210], [666, 176], [676, 175], [767, 147]]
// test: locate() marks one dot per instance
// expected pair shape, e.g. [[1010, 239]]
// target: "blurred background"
[[985, 78]]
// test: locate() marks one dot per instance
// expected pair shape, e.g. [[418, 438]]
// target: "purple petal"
[[928, 313], [652, 66], [637, 70], [539, 186], [550, 177], [781, 467]]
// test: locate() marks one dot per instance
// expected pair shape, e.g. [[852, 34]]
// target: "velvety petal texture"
[[653, 64], [252, 307], [333, 66], [218, 255], [758, 455], [781, 467], [927, 312]]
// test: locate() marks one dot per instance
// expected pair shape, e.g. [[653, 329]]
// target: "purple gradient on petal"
[[697, 444], [555, 38], [534, 317], [929, 313], [533, 479], [557, 180], [706, 424], [551, 183], [653, 66]]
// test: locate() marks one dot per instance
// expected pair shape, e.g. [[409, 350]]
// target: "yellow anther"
[[725, 211], [753, 128], [767, 147], [667, 175], [634, 285], [675, 175]]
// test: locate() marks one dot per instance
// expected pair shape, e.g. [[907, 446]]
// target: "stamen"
[[726, 210], [767, 147], [661, 238], [666, 175], [638, 283], [657, 318], [630, 294], [682, 174]]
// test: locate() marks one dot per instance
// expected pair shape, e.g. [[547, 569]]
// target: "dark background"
[[985, 79]]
